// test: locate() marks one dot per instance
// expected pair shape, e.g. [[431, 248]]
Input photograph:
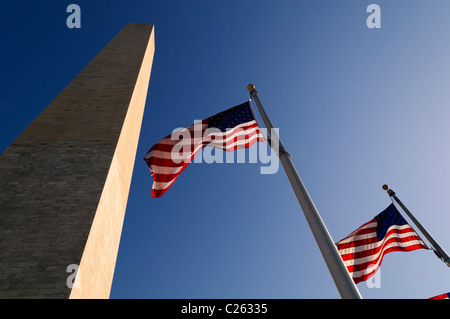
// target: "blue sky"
[[356, 108]]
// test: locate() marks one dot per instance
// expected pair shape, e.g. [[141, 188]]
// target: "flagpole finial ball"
[[385, 187], [251, 88]]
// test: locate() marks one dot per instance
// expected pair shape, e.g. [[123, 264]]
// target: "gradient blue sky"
[[356, 108]]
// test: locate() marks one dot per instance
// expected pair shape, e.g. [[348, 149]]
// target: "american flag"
[[229, 130], [443, 296], [363, 250]]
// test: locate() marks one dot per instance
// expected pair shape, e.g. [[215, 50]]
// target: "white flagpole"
[[438, 250], [344, 283]]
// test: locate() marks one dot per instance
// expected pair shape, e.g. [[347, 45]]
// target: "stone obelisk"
[[64, 181]]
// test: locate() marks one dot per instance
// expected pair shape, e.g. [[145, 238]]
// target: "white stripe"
[[350, 238], [186, 134], [234, 133], [369, 235], [359, 273], [358, 237], [366, 259], [239, 142], [371, 269], [163, 185], [165, 169], [175, 170], [359, 249], [177, 157], [238, 126], [186, 151], [364, 247], [217, 136]]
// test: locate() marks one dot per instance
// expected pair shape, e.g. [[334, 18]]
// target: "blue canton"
[[232, 117], [390, 216]]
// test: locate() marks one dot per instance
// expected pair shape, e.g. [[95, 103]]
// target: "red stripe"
[[363, 242], [168, 162], [368, 275], [167, 145], [169, 177], [226, 147], [373, 251], [364, 277], [359, 230], [382, 251], [443, 296], [160, 146]]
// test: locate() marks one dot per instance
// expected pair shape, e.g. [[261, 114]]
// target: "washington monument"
[[64, 181]]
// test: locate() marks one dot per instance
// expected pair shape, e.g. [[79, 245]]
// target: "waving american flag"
[[363, 250], [443, 296], [229, 130]]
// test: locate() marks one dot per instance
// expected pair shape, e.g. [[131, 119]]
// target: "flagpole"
[[344, 283], [438, 250]]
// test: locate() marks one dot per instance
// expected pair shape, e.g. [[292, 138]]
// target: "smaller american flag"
[[443, 296], [229, 130], [363, 250]]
